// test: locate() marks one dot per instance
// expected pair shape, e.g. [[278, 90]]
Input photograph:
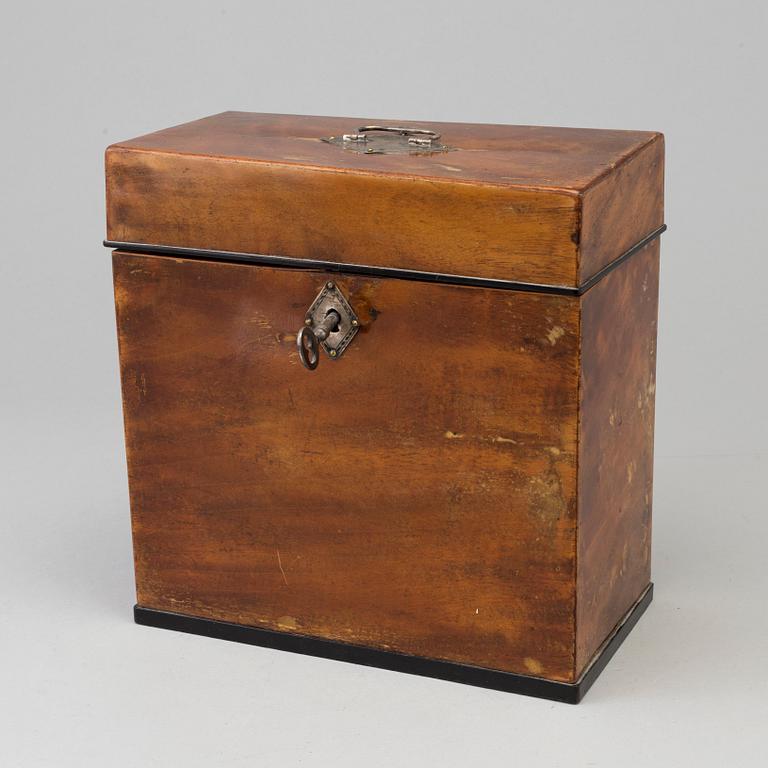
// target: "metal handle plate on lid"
[[390, 140]]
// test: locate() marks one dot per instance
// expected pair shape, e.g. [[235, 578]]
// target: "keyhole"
[[334, 315]]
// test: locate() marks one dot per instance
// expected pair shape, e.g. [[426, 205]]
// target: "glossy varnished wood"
[[539, 205], [622, 207], [471, 482], [417, 495], [386, 221], [508, 155], [616, 424]]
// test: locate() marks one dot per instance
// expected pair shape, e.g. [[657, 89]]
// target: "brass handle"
[[416, 136], [390, 140]]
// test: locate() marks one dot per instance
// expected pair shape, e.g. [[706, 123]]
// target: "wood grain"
[[418, 495], [616, 420], [622, 208], [418, 224], [472, 480], [505, 155], [511, 202]]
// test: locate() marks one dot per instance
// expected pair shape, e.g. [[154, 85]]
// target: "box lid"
[[531, 205]]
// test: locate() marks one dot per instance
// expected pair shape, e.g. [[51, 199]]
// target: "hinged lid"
[[542, 206]]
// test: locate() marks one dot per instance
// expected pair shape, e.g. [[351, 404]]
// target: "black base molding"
[[570, 693]]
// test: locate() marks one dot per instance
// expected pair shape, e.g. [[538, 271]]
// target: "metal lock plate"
[[332, 299], [390, 140]]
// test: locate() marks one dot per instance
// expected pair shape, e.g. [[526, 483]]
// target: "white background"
[[80, 685]]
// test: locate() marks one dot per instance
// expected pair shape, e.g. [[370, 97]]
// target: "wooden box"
[[461, 487]]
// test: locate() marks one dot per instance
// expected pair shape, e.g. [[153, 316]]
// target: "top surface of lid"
[[545, 206], [507, 155]]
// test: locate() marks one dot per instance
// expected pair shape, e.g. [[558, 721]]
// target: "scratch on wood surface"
[[141, 384], [554, 334], [280, 565], [262, 322]]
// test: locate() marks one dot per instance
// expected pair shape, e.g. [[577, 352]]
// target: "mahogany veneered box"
[[389, 388]]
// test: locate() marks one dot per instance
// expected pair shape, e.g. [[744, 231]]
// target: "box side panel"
[[333, 215], [616, 419], [622, 208], [416, 495]]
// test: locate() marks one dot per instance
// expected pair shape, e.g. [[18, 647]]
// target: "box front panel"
[[416, 495]]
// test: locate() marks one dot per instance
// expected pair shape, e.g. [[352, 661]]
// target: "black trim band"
[[362, 269], [570, 693]]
